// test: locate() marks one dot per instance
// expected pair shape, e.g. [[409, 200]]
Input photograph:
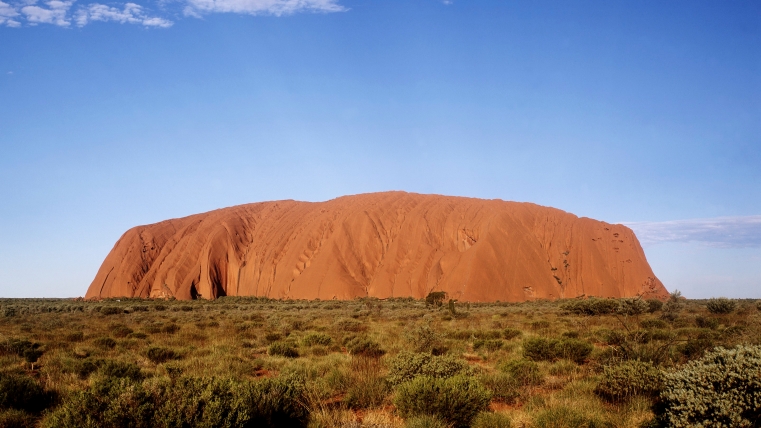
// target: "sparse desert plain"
[[251, 362]]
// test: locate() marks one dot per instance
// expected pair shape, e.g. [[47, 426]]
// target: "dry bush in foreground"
[[722, 389]]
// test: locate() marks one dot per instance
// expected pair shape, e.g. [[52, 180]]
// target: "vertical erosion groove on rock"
[[391, 244]]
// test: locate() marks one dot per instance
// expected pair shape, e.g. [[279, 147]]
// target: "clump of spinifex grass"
[[238, 361]]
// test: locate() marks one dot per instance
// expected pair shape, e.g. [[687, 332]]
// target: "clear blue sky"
[[119, 114]]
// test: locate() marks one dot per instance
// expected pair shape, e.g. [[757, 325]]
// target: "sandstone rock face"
[[391, 244]]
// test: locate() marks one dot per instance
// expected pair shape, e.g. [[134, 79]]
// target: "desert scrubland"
[[244, 362]]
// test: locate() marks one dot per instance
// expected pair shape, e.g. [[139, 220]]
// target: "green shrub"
[[695, 347], [170, 328], [722, 305], [631, 378], [425, 339], [456, 400], [350, 325], [407, 365], [154, 328], [16, 419], [490, 345], [111, 310], [564, 417], [120, 330], [563, 368], [271, 337], [732, 331], [470, 334], [119, 369], [366, 387], [298, 325], [84, 367], [109, 403], [90, 408], [435, 298], [425, 421], [160, 355], [366, 395], [673, 306], [574, 350], [654, 305], [137, 335], [704, 322], [283, 349], [632, 307], [539, 325], [491, 420], [21, 392], [540, 349], [504, 388], [30, 351], [544, 349], [204, 402], [275, 402], [636, 345], [612, 337], [311, 339], [486, 334], [721, 389], [511, 333], [639, 336], [591, 306], [104, 343], [187, 402], [76, 336], [364, 347], [524, 372], [320, 351], [662, 335], [174, 371], [653, 323]]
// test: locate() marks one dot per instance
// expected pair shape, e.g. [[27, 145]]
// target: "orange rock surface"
[[391, 244]]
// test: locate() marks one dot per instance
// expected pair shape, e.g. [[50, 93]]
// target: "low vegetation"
[[723, 388], [722, 305], [255, 362]]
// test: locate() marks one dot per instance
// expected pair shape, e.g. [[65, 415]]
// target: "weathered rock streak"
[[391, 244]]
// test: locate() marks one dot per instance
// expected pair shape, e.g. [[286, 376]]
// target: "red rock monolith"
[[391, 244]]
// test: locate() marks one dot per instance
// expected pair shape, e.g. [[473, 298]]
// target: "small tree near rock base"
[[436, 298]]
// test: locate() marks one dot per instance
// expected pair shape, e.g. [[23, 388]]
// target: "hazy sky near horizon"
[[117, 114]]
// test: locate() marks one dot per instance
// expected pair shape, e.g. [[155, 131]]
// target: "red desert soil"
[[391, 244]]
